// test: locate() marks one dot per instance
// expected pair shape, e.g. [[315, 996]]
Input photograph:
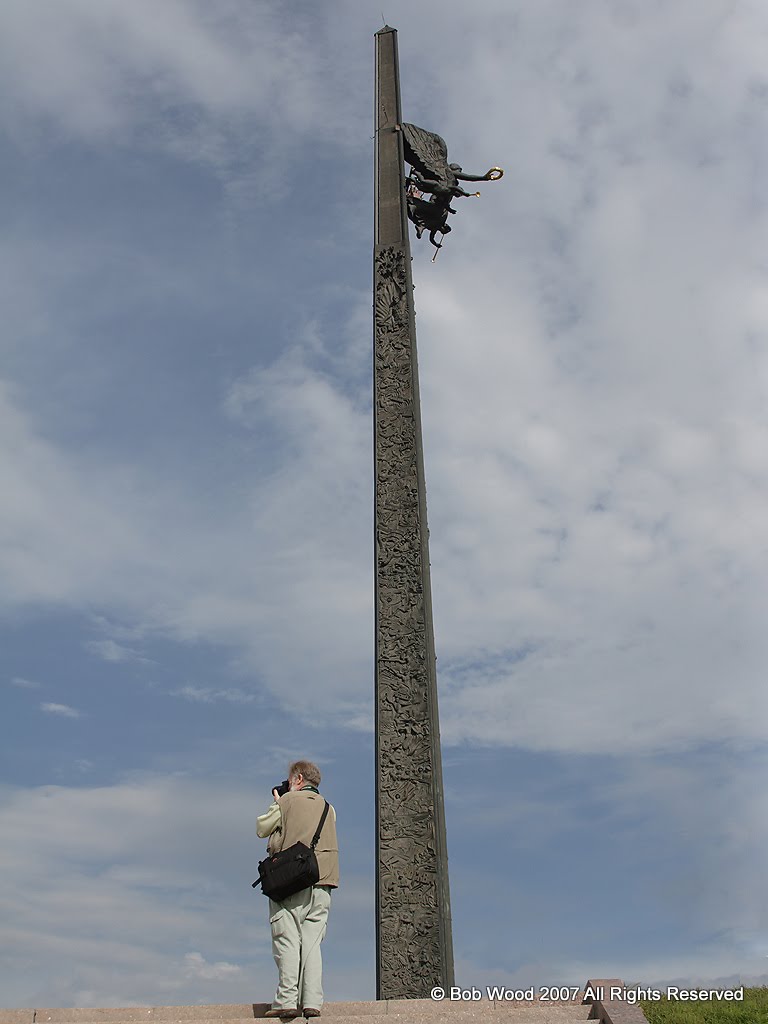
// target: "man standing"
[[299, 922]]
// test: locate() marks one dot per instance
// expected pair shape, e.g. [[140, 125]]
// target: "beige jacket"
[[297, 821]]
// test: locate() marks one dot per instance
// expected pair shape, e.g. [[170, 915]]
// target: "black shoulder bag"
[[291, 870]]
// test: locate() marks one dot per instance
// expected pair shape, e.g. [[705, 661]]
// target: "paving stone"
[[358, 1009], [226, 1011], [411, 1011], [86, 1015], [396, 1011]]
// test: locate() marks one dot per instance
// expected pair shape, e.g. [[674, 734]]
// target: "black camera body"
[[283, 788]]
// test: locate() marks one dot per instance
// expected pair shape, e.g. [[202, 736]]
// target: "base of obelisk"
[[397, 1011]]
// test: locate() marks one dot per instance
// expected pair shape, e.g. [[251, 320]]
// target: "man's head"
[[303, 773]]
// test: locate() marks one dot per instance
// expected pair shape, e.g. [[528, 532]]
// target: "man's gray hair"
[[309, 770]]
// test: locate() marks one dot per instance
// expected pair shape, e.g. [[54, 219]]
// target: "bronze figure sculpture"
[[431, 173]]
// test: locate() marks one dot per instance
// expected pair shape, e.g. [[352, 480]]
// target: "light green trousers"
[[298, 927]]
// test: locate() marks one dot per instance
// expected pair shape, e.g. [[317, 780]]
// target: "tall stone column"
[[413, 912]]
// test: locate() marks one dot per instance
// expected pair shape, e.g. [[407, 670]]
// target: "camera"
[[283, 788]]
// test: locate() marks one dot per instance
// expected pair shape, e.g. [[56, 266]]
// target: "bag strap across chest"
[[316, 836]]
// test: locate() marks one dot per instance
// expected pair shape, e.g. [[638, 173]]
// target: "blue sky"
[[186, 498]]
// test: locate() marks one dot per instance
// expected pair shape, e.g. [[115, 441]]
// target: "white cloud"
[[219, 87], [715, 970], [195, 966], [594, 403], [54, 549], [110, 650], [716, 804], [60, 709], [594, 374], [166, 565], [203, 695], [115, 884], [672, 842], [607, 529], [25, 684]]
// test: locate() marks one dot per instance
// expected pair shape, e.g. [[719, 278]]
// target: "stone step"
[[479, 1012], [397, 1011]]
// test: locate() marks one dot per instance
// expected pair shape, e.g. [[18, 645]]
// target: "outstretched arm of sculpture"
[[493, 175], [443, 193]]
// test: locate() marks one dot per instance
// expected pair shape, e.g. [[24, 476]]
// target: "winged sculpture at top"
[[431, 173]]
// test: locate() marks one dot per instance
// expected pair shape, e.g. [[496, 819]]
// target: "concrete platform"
[[397, 1011]]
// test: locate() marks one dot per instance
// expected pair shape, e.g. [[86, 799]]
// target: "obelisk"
[[414, 947]]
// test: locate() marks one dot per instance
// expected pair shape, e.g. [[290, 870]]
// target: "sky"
[[186, 493]]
